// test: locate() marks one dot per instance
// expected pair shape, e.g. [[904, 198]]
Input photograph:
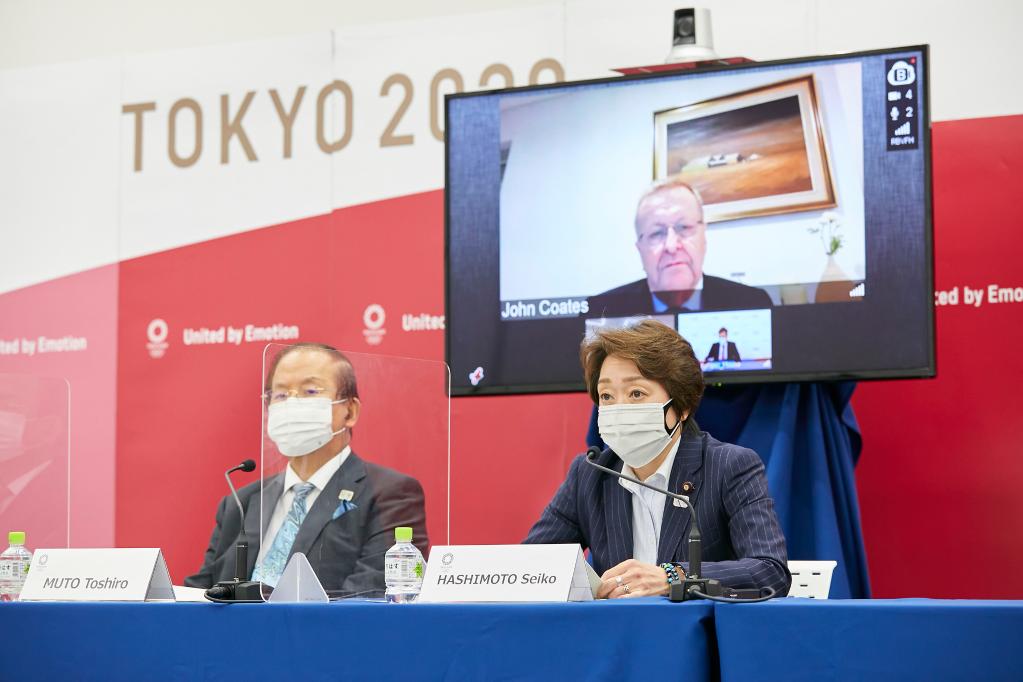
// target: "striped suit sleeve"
[[753, 528], [559, 522]]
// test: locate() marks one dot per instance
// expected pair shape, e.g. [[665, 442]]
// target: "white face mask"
[[636, 433], [301, 425]]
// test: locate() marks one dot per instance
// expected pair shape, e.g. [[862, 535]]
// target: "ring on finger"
[[618, 579], [626, 586]]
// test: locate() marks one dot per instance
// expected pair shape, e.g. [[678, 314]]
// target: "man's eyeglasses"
[[280, 395], [657, 236]]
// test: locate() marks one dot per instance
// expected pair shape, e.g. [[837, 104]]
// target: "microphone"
[[693, 587], [238, 590], [247, 465]]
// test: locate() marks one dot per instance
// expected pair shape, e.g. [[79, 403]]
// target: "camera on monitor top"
[[692, 38]]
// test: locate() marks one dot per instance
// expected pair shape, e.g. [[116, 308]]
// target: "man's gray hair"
[[673, 182]]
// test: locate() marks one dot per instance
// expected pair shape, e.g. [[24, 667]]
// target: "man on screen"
[[330, 504], [723, 350], [671, 237]]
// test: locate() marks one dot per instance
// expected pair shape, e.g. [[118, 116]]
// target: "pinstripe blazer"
[[743, 545]]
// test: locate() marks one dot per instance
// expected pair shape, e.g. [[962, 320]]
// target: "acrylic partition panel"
[[35, 465]]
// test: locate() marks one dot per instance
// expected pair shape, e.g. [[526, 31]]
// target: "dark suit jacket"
[[347, 553], [733, 352], [717, 294], [743, 545]]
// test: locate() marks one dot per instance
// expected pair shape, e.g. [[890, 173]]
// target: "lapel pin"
[[346, 495], [688, 487]]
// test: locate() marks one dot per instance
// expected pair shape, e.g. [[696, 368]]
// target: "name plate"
[[508, 573], [97, 575]]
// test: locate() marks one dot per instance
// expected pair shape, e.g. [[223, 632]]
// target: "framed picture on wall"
[[752, 153]]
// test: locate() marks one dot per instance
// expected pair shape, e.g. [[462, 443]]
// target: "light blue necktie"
[[270, 569]]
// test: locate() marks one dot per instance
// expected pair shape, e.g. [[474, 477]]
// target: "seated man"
[[647, 383], [330, 504], [671, 238]]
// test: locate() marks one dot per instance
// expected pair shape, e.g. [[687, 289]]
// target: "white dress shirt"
[[648, 508], [291, 479]]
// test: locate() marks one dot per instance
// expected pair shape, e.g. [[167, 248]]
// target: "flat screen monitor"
[[777, 214]]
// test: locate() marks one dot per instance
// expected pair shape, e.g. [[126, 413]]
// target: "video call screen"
[[777, 214]]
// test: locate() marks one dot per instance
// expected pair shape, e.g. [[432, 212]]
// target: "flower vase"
[[834, 285]]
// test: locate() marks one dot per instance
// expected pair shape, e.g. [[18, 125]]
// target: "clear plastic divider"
[[386, 419], [35, 464]]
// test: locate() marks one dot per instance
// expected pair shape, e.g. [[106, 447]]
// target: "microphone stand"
[[693, 587], [238, 590]]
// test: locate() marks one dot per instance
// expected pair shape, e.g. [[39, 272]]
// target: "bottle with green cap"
[[14, 563], [403, 568]]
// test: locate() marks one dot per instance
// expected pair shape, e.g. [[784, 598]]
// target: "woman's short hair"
[[660, 354]]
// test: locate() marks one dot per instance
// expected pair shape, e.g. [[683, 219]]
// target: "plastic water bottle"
[[403, 568], [14, 563]]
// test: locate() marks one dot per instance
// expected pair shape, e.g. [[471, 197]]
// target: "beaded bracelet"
[[672, 573]]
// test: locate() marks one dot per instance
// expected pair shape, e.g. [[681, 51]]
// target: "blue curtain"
[[809, 440]]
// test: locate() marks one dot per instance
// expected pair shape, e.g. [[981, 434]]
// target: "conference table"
[[358, 640], [871, 639], [648, 639]]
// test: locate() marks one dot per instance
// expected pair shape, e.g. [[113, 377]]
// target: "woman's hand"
[[633, 578]]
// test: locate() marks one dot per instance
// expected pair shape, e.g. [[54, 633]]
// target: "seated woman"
[[647, 383]]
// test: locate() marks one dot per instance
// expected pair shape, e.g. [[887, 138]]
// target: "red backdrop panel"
[[942, 466], [186, 417], [83, 305]]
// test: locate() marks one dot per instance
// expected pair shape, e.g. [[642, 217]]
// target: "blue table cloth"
[[642, 639], [648, 639], [898, 639]]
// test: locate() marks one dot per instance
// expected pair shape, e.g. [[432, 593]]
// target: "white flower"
[[829, 227]]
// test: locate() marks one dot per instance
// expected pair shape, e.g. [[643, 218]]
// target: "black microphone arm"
[[238, 590], [693, 587], [241, 557], [695, 554]]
